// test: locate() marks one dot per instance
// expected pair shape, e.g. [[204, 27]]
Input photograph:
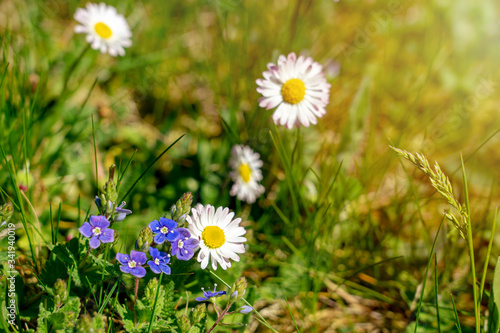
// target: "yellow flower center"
[[96, 231], [103, 30], [132, 264], [157, 261], [164, 230], [293, 91], [245, 172], [213, 237]]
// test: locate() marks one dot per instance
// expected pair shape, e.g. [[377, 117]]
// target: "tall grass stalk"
[[488, 253], [470, 244]]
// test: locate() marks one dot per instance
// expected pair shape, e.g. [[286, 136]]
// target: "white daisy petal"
[[246, 174], [219, 235], [107, 31], [297, 88]]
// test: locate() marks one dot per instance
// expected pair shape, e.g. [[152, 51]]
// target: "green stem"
[[84, 258], [72, 68], [477, 315], [221, 316], [488, 252], [470, 244]]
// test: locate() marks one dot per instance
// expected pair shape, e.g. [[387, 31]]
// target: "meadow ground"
[[349, 236]]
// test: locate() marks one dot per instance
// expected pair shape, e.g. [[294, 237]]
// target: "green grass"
[[342, 223]]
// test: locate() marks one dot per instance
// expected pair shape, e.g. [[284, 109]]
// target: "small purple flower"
[[132, 264], [208, 294], [164, 229], [184, 247], [159, 262], [97, 230], [122, 212], [246, 309]]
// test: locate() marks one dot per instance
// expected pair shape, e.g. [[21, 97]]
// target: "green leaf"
[[53, 269], [494, 302], [59, 320], [167, 309]]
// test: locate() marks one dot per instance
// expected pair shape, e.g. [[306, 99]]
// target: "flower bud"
[[87, 324], [245, 309], [181, 208], [150, 290], [84, 324], [110, 186], [241, 287], [184, 323], [145, 239], [60, 291], [199, 313]]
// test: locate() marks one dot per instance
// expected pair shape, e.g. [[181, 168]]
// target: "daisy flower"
[[246, 173], [297, 87], [97, 230], [106, 30], [220, 236]]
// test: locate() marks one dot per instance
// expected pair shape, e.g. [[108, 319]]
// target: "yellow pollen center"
[[213, 237], [164, 230], [157, 261], [96, 231], [103, 30], [245, 172], [293, 91], [132, 264]]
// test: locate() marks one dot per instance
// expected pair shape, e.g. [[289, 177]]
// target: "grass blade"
[[487, 259], [457, 323], [290, 311], [149, 167], [419, 306], [288, 172], [436, 292], [126, 167], [95, 156], [470, 244], [108, 297]]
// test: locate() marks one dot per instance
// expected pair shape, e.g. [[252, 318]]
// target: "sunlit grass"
[[342, 224]]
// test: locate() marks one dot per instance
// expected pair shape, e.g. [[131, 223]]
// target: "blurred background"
[[350, 257]]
